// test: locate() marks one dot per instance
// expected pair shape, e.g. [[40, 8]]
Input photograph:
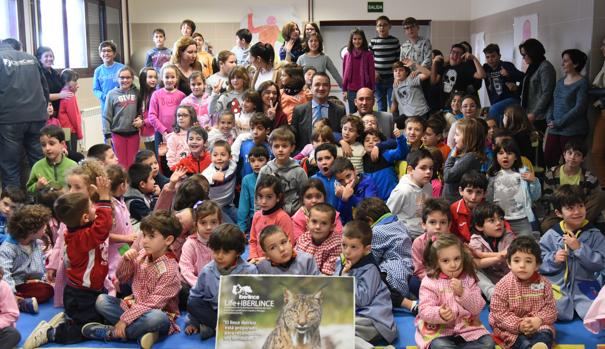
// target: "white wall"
[[482, 8], [215, 11]]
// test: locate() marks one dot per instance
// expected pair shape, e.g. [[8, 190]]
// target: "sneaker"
[[414, 309], [148, 339], [57, 320], [28, 305], [38, 337], [95, 330], [206, 332], [539, 345]]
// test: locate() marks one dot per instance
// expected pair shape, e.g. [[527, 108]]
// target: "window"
[[13, 27], [75, 28]]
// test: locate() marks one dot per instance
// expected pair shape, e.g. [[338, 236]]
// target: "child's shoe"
[[148, 339], [28, 305], [57, 320], [206, 332], [38, 337], [414, 309], [97, 331], [539, 345]]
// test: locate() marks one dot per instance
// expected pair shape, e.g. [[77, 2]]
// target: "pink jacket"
[[194, 256], [260, 221], [594, 320], [177, 147], [121, 225], [162, 109], [418, 247], [300, 220], [147, 128], [9, 311], [201, 108], [498, 270], [55, 261], [436, 293]]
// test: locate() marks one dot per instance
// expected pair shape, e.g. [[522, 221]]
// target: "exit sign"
[[375, 6]]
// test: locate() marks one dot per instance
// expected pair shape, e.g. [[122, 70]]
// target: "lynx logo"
[[243, 292]]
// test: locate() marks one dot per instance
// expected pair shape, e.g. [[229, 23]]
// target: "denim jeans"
[[456, 342], [13, 139], [152, 321], [351, 95], [383, 93], [497, 109], [201, 312], [524, 342]]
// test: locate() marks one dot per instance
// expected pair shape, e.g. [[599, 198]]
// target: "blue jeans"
[[456, 342], [351, 95], [158, 139], [497, 109], [152, 321], [201, 312], [524, 342], [13, 139], [383, 93]]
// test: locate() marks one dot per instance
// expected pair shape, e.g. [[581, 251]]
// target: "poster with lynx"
[[286, 312]]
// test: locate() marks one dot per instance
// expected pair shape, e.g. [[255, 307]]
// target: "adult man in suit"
[[305, 115], [364, 101]]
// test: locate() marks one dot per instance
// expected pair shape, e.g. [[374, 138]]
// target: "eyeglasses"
[[182, 115], [523, 54]]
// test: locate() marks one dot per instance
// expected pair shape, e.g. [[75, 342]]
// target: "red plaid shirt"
[[326, 254], [155, 285], [514, 299]]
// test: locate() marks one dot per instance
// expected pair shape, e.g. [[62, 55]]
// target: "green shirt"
[[54, 173]]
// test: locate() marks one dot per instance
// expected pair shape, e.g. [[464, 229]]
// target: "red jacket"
[[70, 117], [461, 220], [86, 250], [193, 165]]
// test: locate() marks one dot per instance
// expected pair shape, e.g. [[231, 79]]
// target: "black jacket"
[[302, 122]]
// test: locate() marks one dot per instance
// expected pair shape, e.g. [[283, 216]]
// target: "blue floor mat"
[[572, 332]]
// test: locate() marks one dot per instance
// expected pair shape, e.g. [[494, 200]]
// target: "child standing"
[[315, 57], [352, 129], [515, 321], [281, 257], [176, 141], [290, 174], [224, 130], [11, 199], [105, 77], [252, 104], [472, 189], [269, 196], [164, 102], [88, 228], [312, 194], [572, 254], [9, 314], [148, 79], [221, 176], [386, 51], [52, 168], [119, 117], [412, 191], [22, 259], [159, 54], [450, 299], [198, 159], [320, 240], [468, 155], [491, 238], [351, 188], [151, 310], [232, 99], [373, 310], [227, 243], [198, 99], [357, 67], [408, 97], [512, 187], [292, 81], [257, 158], [69, 113]]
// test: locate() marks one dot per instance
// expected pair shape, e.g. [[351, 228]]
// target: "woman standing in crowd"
[[185, 58], [270, 96], [292, 48], [55, 85], [262, 58]]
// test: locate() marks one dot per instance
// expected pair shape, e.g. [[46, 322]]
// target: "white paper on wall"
[[524, 27], [478, 42]]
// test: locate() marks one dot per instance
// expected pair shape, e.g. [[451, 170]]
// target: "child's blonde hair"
[[282, 133], [89, 170], [166, 67], [473, 136], [431, 260]]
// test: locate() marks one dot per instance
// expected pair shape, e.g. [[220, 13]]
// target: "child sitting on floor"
[[281, 257], [320, 240]]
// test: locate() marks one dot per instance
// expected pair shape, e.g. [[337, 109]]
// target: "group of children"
[[438, 217]]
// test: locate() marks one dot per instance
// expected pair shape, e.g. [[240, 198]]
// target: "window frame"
[[92, 52]]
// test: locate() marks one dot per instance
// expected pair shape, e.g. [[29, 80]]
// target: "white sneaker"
[[38, 337], [57, 320], [539, 345], [149, 339]]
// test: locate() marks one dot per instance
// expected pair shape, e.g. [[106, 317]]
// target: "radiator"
[[91, 127]]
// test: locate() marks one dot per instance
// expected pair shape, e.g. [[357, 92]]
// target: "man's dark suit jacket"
[[302, 118]]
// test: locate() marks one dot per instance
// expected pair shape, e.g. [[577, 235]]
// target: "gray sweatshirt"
[[120, 111], [321, 63], [292, 178]]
